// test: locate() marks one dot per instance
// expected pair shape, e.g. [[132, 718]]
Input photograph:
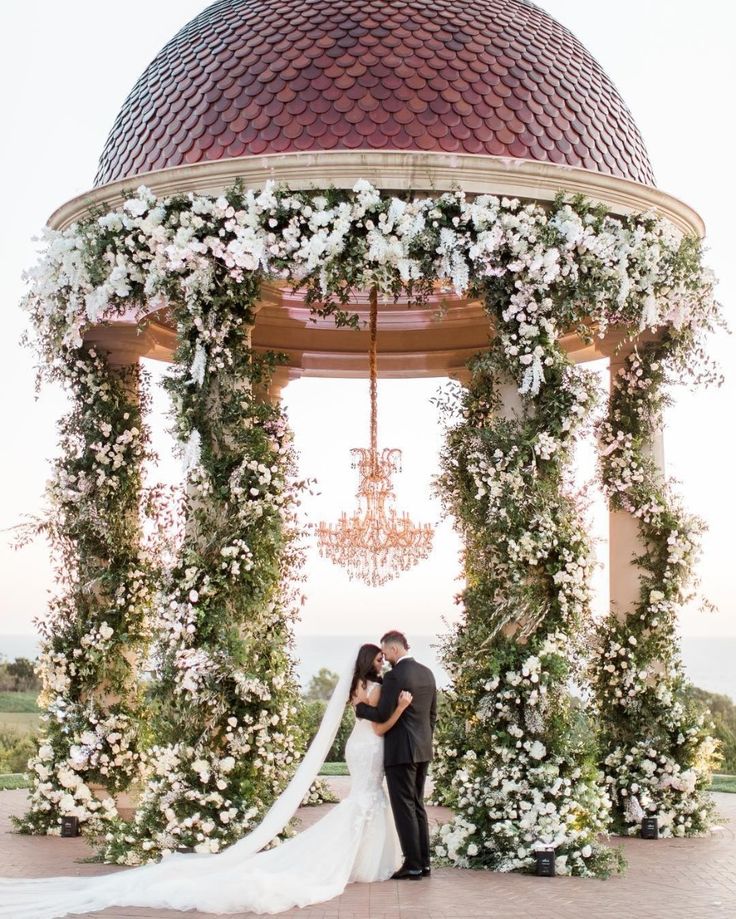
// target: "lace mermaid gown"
[[355, 841]]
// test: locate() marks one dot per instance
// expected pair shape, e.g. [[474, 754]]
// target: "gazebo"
[[490, 97], [415, 100]]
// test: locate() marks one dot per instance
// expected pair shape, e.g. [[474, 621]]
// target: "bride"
[[355, 841]]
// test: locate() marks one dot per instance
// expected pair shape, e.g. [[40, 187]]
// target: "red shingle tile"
[[498, 77]]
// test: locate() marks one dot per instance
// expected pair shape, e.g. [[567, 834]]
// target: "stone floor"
[[677, 879]]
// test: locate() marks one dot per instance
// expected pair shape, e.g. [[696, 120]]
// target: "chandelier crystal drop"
[[375, 543]]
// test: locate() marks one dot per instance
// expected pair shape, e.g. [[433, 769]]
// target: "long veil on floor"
[[44, 898]]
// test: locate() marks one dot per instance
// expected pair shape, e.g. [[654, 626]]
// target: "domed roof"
[[494, 77]]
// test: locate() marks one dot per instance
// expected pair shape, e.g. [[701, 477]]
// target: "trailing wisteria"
[[520, 775]]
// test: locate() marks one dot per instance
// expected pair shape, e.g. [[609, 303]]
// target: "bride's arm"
[[389, 697], [404, 701]]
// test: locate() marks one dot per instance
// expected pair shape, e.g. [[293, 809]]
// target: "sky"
[[65, 70]]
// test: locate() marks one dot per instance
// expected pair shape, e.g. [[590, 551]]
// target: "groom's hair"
[[395, 638]]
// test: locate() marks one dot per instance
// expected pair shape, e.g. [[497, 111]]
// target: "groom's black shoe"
[[426, 872], [407, 874]]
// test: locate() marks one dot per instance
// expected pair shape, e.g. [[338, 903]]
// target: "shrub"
[[723, 712], [16, 748], [310, 716]]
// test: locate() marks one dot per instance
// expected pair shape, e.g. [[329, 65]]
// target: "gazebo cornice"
[[424, 172]]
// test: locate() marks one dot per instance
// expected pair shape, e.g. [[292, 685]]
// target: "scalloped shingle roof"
[[251, 77]]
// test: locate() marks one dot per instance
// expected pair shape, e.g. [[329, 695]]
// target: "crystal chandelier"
[[375, 543]]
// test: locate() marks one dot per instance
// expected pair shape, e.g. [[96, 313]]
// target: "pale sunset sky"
[[66, 69]]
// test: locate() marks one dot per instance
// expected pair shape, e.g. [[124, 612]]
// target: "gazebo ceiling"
[[435, 339], [499, 78]]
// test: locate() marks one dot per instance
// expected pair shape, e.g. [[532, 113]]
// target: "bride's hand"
[[405, 699]]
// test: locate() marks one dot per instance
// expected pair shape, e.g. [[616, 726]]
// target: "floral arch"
[[215, 741]]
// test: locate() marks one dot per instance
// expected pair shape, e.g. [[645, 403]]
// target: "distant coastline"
[[708, 661]]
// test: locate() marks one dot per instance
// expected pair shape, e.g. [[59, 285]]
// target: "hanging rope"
[[373, 371]]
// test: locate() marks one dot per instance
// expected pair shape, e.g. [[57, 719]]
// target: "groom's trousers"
[[406, 790]]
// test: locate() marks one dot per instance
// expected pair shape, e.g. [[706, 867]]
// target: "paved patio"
[[678, 879]]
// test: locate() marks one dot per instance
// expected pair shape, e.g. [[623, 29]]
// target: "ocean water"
[[710, 662]]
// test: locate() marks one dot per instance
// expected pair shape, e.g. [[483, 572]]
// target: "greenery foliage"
[[722, 710], [16, 747], [224, 697], [513, 762], [310, 716], [18, 676]]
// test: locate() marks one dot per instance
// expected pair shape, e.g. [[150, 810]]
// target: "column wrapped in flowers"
[[97, 625], [225, 694], [657, 752], [517, 759]]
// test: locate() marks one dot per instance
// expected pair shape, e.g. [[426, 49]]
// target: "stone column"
[[280, 379], [624, 540], [122, 348], [510, 407]]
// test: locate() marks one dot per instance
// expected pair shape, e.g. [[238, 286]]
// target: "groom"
[[407, 749]]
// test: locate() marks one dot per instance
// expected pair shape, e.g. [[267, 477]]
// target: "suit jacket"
[[410, 739]]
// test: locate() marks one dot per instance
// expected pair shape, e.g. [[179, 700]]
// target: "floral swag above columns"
[[541, 271]]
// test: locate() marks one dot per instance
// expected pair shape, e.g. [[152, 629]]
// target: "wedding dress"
[[355, 841]]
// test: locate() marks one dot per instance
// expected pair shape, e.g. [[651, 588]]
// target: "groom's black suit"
[[407, 752]]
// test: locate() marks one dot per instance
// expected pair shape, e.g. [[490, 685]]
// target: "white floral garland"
[[106, 574], [629, 266]]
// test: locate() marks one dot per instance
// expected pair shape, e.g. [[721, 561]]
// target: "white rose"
[[537, 750]]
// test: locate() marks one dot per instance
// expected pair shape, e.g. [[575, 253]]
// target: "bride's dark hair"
[[365, 668]]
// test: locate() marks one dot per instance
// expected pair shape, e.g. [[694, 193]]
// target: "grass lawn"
[[334, 769], [22, 722], [15, 780], [724, 783], [18, 702]]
